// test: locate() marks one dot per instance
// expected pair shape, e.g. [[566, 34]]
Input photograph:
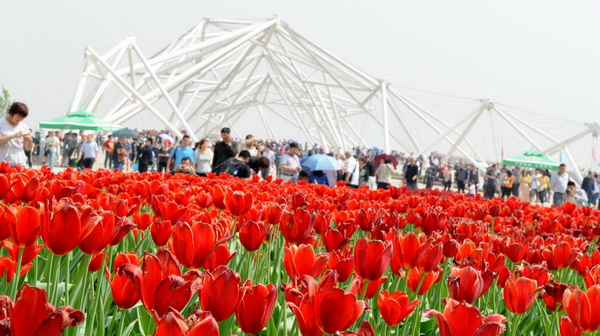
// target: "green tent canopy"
[[80, 120], [531, 159]]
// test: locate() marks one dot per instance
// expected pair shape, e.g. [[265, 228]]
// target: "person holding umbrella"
[[14, 135]]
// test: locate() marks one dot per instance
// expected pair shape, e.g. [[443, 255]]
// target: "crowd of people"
[[362, 166]]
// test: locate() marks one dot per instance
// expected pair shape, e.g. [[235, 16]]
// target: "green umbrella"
[[532, 159], [80, 120]]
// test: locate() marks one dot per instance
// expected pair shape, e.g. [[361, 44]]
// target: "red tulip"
[[336, 310], [66, 227], [238, 203], [220, 256], [8, 268], [395, 307], [161, 232], [123, 291], [334, 240], [371, 258], [142, 220], [296, 227], [173, 324], [125, 258], [358, 287], [218, 195], [365, 329], [28, 253], [429, 278], [252, 235], [193, 244], [96, 261], [160, 284], [33, 315], [465, 284], [592, 276], [301, 260], [101, 235], [25, 225], [463, 319], [519, 294], [221, 293], [567, 328], [553, 295], [5, 184], [255, 307], [342, 262], [582, 307], [433, 222]]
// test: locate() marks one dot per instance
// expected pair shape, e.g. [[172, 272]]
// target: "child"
[[185, 167], [472, 188]]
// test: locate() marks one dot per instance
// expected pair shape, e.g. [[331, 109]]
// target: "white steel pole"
[[386, 122]]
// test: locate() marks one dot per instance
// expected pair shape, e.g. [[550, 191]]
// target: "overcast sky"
[[541, 56]]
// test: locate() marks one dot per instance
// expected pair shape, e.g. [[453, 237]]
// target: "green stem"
[[68, 278], [15, 281]]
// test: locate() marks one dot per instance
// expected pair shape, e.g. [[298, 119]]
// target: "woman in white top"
[[204, 158], [14, 135], [384, 173]]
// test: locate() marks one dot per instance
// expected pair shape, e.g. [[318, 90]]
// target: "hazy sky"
[[542, 56]]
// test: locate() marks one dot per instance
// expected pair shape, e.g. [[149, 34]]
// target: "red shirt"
[[109, 145]]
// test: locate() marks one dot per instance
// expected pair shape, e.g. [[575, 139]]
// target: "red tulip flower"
[[221, 293], [371, 258], [567, 328], [24, 224], [27, 255], [161, 232], [160, 284], [32, 314], [123, 258], [123, 291], [519, 294], [429, 278], [296, 227], [582, 307], [302, 260], [255, 307], [252, 235], [173, 324], [463, 319], [553, 295], [66, 227], [465, 284], [238, 203], [395, 307], [8, 268], [592, 276], [342, 262], [336, 310], [193, 244]]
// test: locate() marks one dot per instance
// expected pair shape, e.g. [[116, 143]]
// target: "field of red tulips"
[[153, 254]]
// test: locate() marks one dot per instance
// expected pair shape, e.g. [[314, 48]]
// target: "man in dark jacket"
[[588, 185], [224, 149], [412, 174], [145, 156]]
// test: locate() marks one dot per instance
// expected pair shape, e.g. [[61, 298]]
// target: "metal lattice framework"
[[234, 73]]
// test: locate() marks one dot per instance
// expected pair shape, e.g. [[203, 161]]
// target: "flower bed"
[[131, 254]]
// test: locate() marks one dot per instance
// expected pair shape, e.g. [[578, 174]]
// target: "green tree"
[[5, 102]]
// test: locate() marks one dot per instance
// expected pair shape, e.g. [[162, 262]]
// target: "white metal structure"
[[244, 73]]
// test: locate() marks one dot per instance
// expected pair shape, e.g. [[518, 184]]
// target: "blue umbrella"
[[320, 162]]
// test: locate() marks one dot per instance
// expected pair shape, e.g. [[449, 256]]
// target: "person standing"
[[448, 178], [524, 185], [184, 150], [558, 185], [370, 173], [412, 174], [289, 163], [145, 154], [384, 173], [224, 149], [461, 178], [588, 185], [429, 177], [516, 181], [119, 154], [249, 144], [14, 135], [35, 154], [507, 184], [352, 173], [109, 147], [204, 157], [163, 155], [490, 182], [473, 176], [89, 151], [52, 144]]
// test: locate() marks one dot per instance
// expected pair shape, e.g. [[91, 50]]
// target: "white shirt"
[[13, 151], [291, 162], [472, 189], [204, 161], [89, 149], [558, 183], [352, 166]]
